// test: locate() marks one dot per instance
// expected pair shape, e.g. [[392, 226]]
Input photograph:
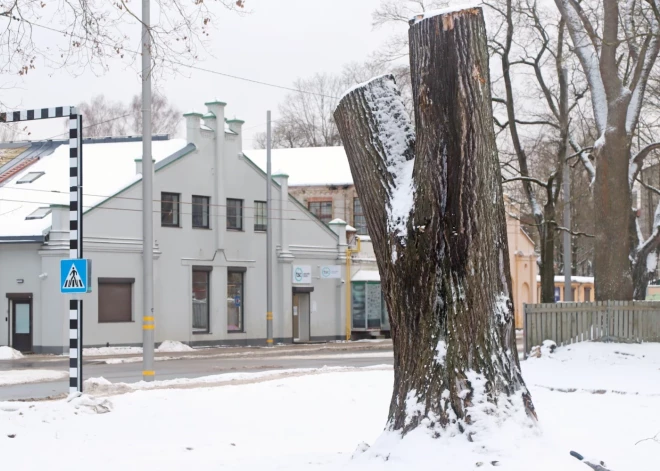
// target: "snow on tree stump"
[[435, 213]]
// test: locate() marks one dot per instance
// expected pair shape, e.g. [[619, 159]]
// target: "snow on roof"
[[350, 228], [366, 275], [107, 169], [574, 279], [307, 165], [337, 221]]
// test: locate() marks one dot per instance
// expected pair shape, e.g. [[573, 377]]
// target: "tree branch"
[[637, 162], [574, 233], [525, 179]]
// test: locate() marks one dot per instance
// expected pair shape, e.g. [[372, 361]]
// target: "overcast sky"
[[280, 41]]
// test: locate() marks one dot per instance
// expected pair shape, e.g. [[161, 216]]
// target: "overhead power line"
[[193, 67]]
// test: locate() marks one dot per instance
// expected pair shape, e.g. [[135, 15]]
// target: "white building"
[[209, 247]]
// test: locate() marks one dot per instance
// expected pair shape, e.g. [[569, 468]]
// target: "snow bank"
[[8, 353], [103, 351], [174, 346]]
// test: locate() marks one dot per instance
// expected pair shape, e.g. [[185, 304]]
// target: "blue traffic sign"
[[75, 276], [237, 301]]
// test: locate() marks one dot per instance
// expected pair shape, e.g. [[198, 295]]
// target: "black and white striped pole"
[[75, 273]]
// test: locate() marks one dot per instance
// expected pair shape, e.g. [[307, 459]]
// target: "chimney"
[[283, 180], [138, 165], [193, 131], [338, 226], [59, 226], [217, 109], [236, 125]]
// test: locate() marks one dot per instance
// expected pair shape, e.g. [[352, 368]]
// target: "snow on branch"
[[637, 162], [585, 44], [574, 233], [645, 62]]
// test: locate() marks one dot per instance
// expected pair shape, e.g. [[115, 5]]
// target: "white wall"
[[19, 261], [113, 240]]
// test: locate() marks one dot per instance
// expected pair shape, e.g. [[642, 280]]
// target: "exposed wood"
[[442, 254]]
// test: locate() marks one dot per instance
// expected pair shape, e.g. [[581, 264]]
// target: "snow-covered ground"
[[30, 376], [166, 346], [319, 418]]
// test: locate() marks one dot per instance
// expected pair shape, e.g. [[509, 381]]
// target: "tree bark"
[[435, 211], [548, 252], [614, 229]]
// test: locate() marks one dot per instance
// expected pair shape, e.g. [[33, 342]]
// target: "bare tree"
[[617, 56], [104, 118], [165, 117], [434, 206], [13, 132], [537, 110], [92, 33]]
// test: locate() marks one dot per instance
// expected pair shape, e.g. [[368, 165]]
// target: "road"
[[189, 366]]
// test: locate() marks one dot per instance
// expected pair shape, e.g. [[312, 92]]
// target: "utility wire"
[[124, 197], [174, 62], [156, 211]]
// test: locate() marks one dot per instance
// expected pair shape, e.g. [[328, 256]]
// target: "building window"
[[260, 216], [169, 209], [30, 177], [359, 221], [38, 213], [321, 209], [235, 297], [235, 214], [115, 300], [200, 211], [201, 300]]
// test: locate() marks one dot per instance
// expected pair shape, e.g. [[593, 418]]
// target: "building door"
[[22, 326], [301, 321]]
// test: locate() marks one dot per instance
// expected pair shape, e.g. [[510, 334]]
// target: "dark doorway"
[[21, 322]]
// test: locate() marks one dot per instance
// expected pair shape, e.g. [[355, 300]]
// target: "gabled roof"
[[108, 167], [307, 165]]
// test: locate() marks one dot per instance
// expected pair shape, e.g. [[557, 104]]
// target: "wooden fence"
[[566, 323]]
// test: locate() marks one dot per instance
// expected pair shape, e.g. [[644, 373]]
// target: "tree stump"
[[435, 213]]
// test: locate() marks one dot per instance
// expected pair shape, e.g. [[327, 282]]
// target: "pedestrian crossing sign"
[[75, 275]]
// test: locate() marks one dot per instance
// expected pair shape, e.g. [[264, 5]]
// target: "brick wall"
[[341, 196]]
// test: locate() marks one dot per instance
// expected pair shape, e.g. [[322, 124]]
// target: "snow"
[[307, 166], [8, 353], [443, 11], [651, 262], [337, 221], [108, 168], [366, 275], [332, 420], [102, 351], [574, 279], [174, 346], [590, 63], [10, 377], [394, 134]]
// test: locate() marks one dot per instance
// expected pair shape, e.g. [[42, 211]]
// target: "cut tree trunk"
[[435, 212]]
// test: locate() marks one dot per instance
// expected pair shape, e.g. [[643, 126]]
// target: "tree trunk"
[[612, 205], [547, 239], [435, 211]]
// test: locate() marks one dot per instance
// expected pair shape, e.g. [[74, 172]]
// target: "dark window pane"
[[235, 214], [169, 209], [358, 305], [321, 209], [235, 301], [200, 211], [200, 287], [359, 220], [115, 301], [260, 216]]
